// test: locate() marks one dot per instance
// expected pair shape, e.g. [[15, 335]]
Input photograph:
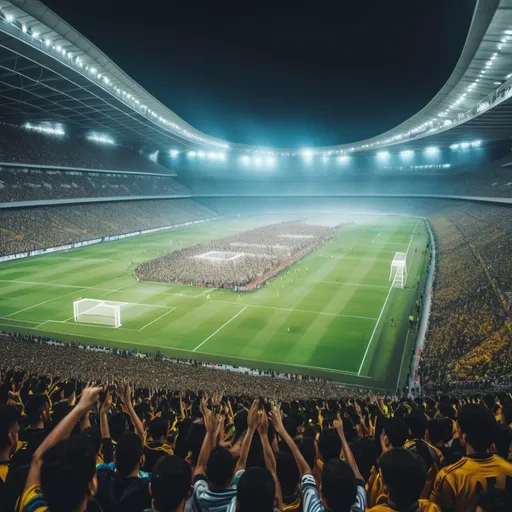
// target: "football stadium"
[[197, 316]]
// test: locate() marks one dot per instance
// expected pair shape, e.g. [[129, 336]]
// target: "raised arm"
[[208, 441], [61, 432], [252, 423], [270, 460], [277, 421], [125, 393], [345, 449]]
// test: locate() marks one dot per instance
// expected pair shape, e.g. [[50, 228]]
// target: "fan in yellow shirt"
[[403, 475]]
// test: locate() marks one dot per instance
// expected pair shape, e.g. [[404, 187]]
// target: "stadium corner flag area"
[[334, 313]]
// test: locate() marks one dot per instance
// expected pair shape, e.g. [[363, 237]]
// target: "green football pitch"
[[327, 315]]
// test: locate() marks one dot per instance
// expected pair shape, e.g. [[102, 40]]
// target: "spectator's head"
[[118, 425], [329, 445], [394, 434], [339, 487], [439, 431], [129, 454], [417, 424], [476, 425], [37, 411], [158, 429], [495, 500], [8, 429], [502, 439], [365, 454], [287, 474], [170, 483], [403, 473], [220, 468], [256, 491], [68, 474]]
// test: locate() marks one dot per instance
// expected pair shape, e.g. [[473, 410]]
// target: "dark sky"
[[281, 73]]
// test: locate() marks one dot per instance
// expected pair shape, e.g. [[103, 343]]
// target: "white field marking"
[[98, 338], [220, 328], [208, 290], [350, 284], [52, 284], [373, 241], [40, 303], [132, 303], [403, 355], [86, 324], [153, 321], [16, 320], [383, 307]]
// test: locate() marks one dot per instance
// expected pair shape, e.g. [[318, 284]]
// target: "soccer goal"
[[93, 311], [398, 273]]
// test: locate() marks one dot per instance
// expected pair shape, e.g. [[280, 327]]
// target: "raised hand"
[[252, 417], [107, 403], [276, 419], [89, 397], [263, 424]]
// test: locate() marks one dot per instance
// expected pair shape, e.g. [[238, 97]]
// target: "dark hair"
[[439, 430], [220, 467], [365, 454], [129, 450], [287, 473], [329, 445], [339, 487], [8, 418], [397, 431], [34, 407], [478, 424], [66, 472], [170, 482], [158, 429], [307, 450], [502, 439], [507, 413], [118, 425], [417, 424], [256, 490], [404, 474], [496, 500]]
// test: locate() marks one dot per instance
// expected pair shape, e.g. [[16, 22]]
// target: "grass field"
[[336, 302]]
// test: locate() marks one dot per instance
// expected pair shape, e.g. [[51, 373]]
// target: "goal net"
[[398, 273], [93, 311]]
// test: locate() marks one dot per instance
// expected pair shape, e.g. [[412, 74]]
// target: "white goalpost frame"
[[97, 312], [398, 272]]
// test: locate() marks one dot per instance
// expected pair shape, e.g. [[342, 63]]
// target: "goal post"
[[94, 311], [398, 272]]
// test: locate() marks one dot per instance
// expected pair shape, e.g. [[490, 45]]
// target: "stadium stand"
[[311, 443], [31, 147], [23, 229], [28, 184]]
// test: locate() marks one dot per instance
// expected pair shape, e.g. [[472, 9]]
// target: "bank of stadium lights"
[[174, 153], [343, 159], [383, 155], [100, 139], [191, 154], [44, 129], [407, 154], [432, 151]]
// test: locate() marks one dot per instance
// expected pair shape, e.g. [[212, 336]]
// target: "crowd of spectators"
[[83, 430], [25, 229], [28, 184], [239, 260], [23, 146], [471, 322]]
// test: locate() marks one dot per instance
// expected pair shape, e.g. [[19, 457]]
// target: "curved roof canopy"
[[50, 72]]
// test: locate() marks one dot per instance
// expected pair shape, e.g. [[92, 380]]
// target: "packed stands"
[[471, 320], [23, 229], [22, 146], [70, 419], [29, 184], [253, 257]]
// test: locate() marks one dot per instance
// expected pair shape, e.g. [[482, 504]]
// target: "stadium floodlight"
[[270, 161], [201, 154], [325, 159], [212, 156], [343, 159], [476, 143], [174, 153], [464, 145], [257, 160], [307, 153], [454, 146], [508, 32], [407, 154], [244, 159], [432, 151], [221, 156], [44, 129], [9, 18], [59, 48], [24, 29], [101, 139], [383, 155], [47, 42], [191, 154]]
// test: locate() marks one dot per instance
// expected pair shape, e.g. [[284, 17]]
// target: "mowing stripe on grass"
[[220, 328]]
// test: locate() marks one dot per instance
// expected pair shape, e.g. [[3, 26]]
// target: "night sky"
[[282, 74]]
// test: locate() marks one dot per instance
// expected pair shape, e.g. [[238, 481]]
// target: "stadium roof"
[[50, 72]]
